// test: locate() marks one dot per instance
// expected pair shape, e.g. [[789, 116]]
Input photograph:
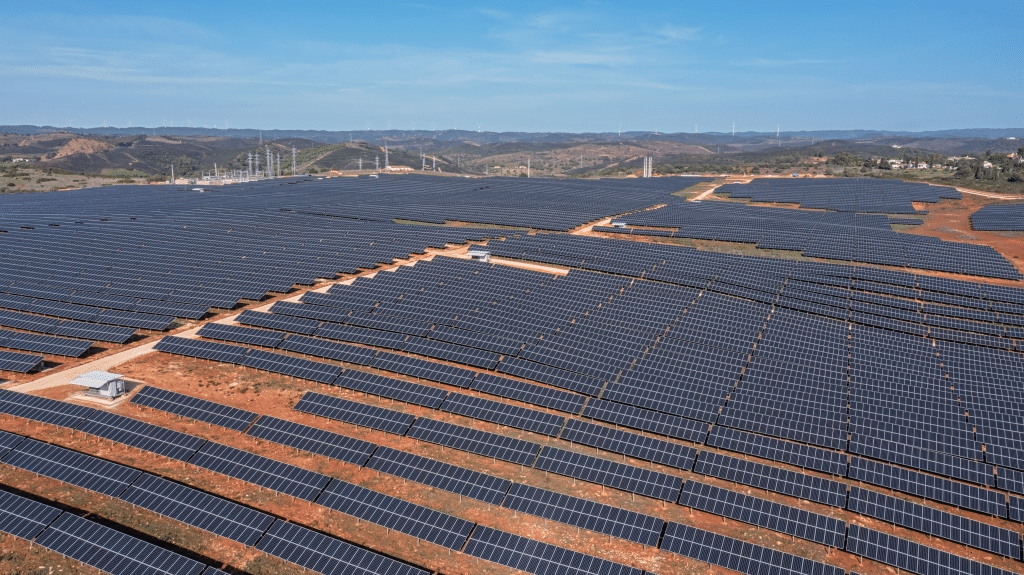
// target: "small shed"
[[480, 255], [618, 224], [101, 383]]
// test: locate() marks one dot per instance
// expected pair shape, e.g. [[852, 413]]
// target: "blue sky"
[[531, 66]]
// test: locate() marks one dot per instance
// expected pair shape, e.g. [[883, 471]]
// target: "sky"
[[516, 66]]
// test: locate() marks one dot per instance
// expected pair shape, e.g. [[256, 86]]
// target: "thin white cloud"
[[577, 57], [494, 13], [774, 63], [679, 33]]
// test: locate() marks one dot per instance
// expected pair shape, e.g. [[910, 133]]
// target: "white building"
[[101, 383]]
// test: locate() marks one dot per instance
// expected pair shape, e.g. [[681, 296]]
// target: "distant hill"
[[484, 137], [193, 150]]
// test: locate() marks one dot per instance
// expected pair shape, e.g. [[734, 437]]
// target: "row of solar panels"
[[528, 399], [836, 243], [1008, 217], [602, 518], [663, 486], [224, 455], [640, 256], [843, 194], [586, 514], [554, 399], [226, 518]]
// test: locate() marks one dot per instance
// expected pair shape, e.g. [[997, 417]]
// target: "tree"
[[844, 159]]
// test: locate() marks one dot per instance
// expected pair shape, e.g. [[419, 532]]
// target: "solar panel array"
[[738, 555], [1002, 217], [586, 514], [911, 556], [843, 236], [763, 513], [486, 488], [896, 511], [725, 333], [196, 509], [98, 264], [199, 509], [194, 408], [886, 378], [116, 552], [102, 256], [869, 195], [19, 362], [110, 550], [539, 558]]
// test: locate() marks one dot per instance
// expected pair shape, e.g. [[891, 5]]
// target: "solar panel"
[[354, 334], [312, 439], [896, 511], [794, 521], [293, 366], [43, 409], [27, 321], [19, 362], [393, 513], [240, 334], [24, 517], [194, 408], [585, 514], [551, 375], [473, 484], [388, 323], [501, 345], [202, 349], [911, 556], [771, 478], [93, 331], [631, 444], [646, 420], [328, 349], [538, 558], [44, 343], [171, 309], [424, 369], [929, 486], [391, 388], [800, 455], [276, 321], [504, 414], [259, 470], [1016, 505], [132, 319], [327, 555], [8, 441], [528, 393], [738, 555], [355, 413], [71, 467], [142, 435], [198, 509], [612, 474], [474, 441], [112, 551]]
